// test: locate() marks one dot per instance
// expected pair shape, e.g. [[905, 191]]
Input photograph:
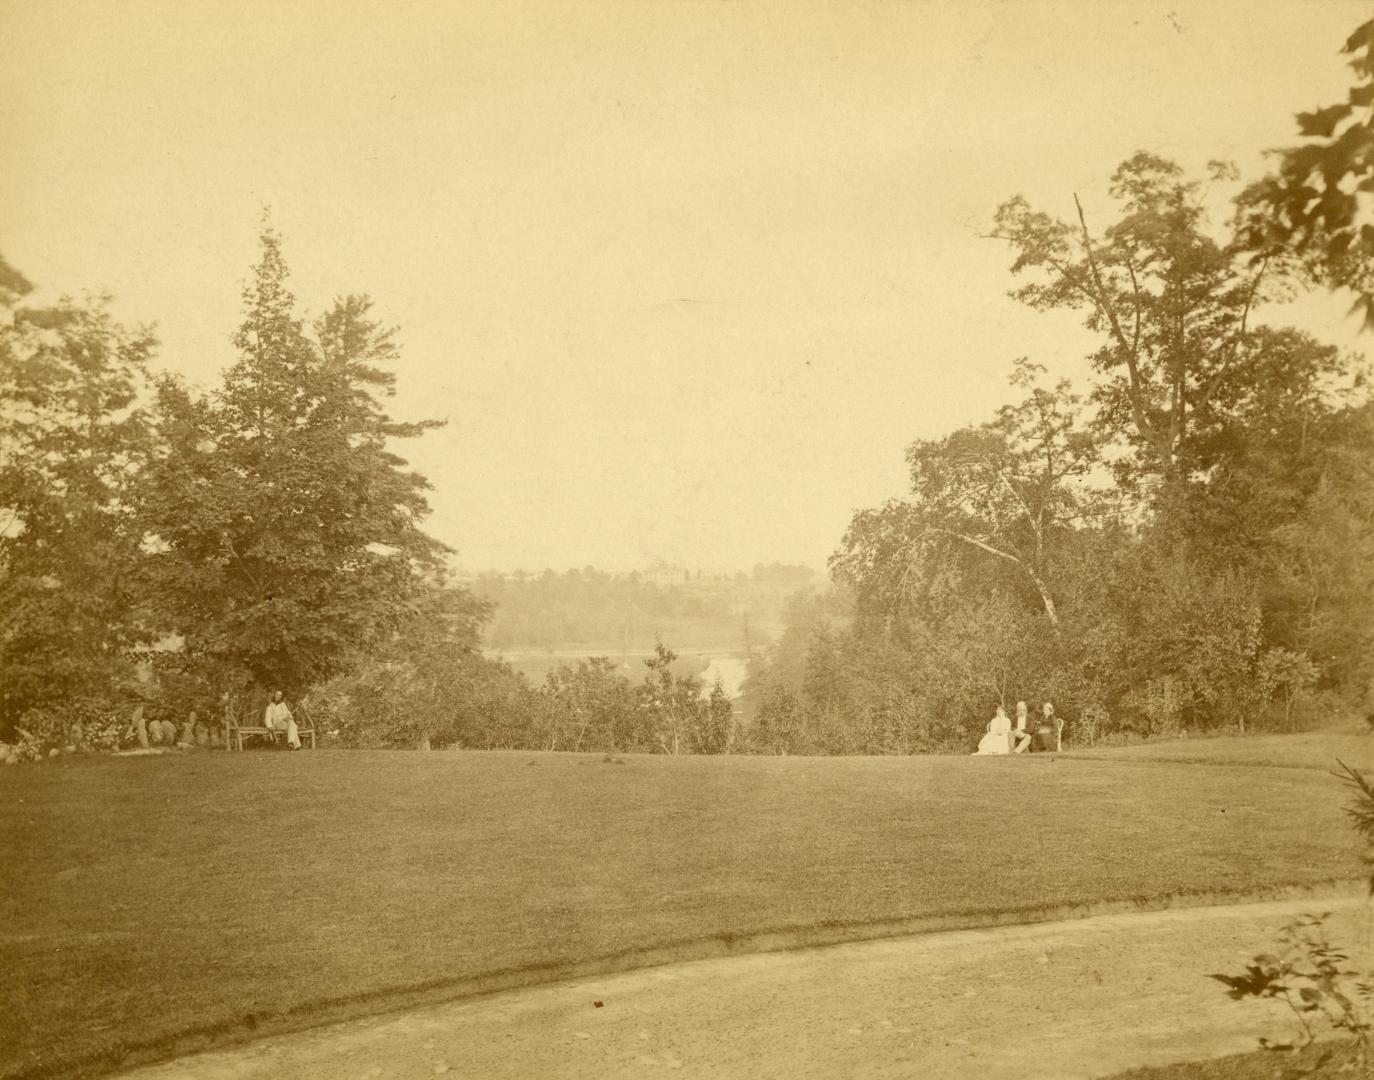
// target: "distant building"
[[664, 575]]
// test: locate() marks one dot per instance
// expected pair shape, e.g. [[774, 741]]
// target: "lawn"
[[1309, 750], [150, 897]]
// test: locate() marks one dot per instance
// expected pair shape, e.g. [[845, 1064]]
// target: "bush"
[[1092, 723], [84, 724]]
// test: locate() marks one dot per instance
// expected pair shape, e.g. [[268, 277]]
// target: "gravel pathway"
[[1081, 998]]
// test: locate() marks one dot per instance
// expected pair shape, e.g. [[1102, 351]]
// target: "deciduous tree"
[[1170, 302], [73, 438]]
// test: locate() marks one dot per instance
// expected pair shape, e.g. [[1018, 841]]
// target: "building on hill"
[[664, 575]]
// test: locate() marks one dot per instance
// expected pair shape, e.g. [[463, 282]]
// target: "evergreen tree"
[[287, 531], [716, 723]]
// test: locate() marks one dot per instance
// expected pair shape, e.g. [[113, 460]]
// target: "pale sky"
[[685, 279]]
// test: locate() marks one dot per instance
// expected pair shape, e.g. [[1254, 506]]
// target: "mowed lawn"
[[149, 897]]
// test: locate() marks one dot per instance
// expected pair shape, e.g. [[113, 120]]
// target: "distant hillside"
[[591, 611]]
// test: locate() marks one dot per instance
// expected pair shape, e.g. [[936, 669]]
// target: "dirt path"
[[1081, 998]]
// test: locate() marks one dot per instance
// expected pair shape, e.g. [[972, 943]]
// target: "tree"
[[715, 724], [778, 726], [672, 702], [429, 685], [287, 532], [592, 705], [1323, 566], [1006, 490], [73, 438], [1171, 304], [1310, 205]]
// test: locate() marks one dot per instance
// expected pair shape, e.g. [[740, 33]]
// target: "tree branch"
[[1241, 330], [976, 543], [1142, 421]]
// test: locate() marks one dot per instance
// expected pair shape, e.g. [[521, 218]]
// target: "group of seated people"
[[1044, 733]]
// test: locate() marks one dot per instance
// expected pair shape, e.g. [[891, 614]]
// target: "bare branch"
[[965, 538]]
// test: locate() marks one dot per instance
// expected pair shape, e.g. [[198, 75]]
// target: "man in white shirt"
[[278, 718]]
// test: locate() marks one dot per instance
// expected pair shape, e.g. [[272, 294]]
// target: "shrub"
[[1308, 973]]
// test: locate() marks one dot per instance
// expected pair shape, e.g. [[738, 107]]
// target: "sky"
[[684, 279]]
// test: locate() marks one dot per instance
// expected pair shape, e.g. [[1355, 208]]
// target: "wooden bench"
[[236, 731]]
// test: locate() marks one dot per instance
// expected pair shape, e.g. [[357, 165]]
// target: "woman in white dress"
[[998, 738]]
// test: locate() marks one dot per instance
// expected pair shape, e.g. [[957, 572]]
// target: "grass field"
[[149, 897], [1304, 751]]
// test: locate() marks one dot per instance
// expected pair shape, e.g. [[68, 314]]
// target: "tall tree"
[[72, 440], [1170, 302], [287, 531]]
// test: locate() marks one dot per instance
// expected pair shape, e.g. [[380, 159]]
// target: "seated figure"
[[277, 717], [1021, 734], [998, 738], [1049, 733]]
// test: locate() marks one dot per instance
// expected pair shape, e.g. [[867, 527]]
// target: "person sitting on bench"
[[1021, 735], [1049, 734], [278, 718]]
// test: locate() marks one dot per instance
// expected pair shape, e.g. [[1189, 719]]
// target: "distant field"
[[147, 897]]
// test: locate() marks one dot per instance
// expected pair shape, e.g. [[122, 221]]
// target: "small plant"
[[1314, 979], [1309, 974], [1092, 721]]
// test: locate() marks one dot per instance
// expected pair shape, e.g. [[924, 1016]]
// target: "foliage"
[[1189, 545], [1091, 720], [672, 703], [1361, 811], [717, 726], [83, 724], [72, 440], [593, 706], [1315, 980], [1310, 205], [1003, 491], [1170, 303], [1308, 973], [428, 685], [286, 531], [778, 728]]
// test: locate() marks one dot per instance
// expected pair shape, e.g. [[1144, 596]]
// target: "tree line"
[[1185, 540], [617, 612], [171, 550]]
